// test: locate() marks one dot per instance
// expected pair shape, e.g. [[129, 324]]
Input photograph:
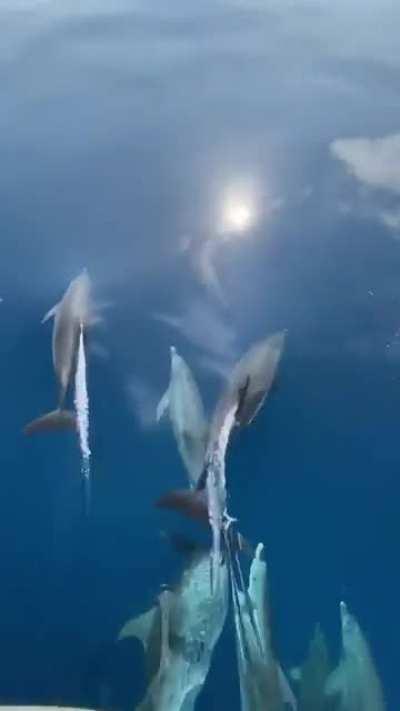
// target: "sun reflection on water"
[[238, 212]]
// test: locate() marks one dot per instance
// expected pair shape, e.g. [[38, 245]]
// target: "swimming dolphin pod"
[[239, 403], [73, 311], [354, 684], [179, 635], [177, 659], [180, 632]]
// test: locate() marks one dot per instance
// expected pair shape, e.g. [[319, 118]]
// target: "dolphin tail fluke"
[[187, 501], [55, 420]]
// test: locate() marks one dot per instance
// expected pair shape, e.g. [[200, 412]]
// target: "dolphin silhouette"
[[355, 681], [263, 684], [249, 383], [74, 309], [178, 637], [183, 403], [311, 677]]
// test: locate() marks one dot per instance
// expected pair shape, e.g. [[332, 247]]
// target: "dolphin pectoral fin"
[[163, 405], [140, 627], [52, 312], [55, 420]]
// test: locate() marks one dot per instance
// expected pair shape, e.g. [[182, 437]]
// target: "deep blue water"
[[123, 126]]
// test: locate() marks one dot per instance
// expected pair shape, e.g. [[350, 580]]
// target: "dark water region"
[[224, 170]]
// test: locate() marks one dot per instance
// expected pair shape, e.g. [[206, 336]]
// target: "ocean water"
[[224, 170]]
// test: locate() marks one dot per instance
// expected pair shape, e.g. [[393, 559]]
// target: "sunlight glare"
[[237, 212]]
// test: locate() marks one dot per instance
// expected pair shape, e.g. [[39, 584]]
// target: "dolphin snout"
[[344, 613]]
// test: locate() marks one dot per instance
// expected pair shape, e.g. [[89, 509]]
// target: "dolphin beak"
[[343, 613]]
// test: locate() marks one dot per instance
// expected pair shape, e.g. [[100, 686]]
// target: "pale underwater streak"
[[81, 402], [216, 490]]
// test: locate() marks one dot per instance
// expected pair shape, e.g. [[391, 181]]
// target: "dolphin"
[[263, 684], [183, 403], [312, 676], [179, 635], [242, 398], [249, 383], [73, 311], [355, 682]]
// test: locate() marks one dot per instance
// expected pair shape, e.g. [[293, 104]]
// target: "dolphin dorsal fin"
[[52, 312], [140, 627], [163, 405]]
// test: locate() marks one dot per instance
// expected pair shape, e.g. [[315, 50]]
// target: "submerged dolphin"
[[355, 682], [249, 383], [262, 681], [183, 403], [312, 676], [179, 636], [74, 309], [247, 388], [241, 399]]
